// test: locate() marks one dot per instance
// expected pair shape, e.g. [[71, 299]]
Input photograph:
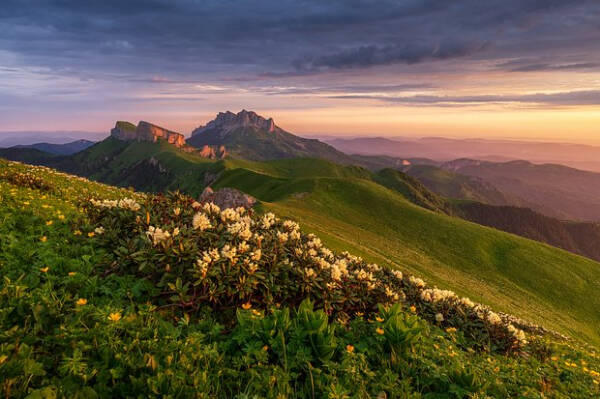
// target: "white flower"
[[417, 282], [282, 237], [201, 222], [493, 318], [209, 208], [229, 252], [336, 273], [517, 333], [230, 215], [397, 274], [240, 229], [157, 235], [128, 203], [439, 317], [290, 226], [256, 255], [99, 230], [268, 220]]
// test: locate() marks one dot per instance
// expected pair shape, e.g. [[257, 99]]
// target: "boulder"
[[227, 198]]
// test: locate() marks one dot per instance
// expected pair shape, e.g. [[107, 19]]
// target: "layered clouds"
[[179, 57]]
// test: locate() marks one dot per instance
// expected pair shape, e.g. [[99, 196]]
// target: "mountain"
[[60, 149], [454, 185], [554, 190], [577, 237], [13, 138], [248, 135], [585, 157], [145, 131]]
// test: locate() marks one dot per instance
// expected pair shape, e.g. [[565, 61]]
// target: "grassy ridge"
[[532, 280]]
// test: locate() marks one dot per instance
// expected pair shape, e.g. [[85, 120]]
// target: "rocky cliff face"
[[146, 132], [226, 122]]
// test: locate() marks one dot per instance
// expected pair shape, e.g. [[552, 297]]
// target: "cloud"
[[528, 66], [372, 55], [568, 98], [283, 38]]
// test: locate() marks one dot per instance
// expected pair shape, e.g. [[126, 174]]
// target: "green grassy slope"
[[143, 165], [544, 284], [83, 310], [351, 210]]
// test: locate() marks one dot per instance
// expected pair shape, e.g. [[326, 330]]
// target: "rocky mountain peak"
[[228, 121], [146, 131]]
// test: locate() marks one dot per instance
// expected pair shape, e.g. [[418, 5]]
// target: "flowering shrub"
[[201, 255]]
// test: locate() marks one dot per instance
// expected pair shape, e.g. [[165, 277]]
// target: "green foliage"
[[75, 322]]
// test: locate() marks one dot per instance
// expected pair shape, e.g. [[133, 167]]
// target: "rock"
[[146, 131], [227, 198], [228, 121]]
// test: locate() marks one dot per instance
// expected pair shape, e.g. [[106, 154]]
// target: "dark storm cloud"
[[569, 98], [278, 38]]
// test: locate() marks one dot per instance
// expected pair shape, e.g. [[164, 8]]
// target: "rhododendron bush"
[[200, 255]]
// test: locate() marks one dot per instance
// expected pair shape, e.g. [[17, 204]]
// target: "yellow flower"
[[72, 273], [44, 239], [379, 330], [61, 217], [256, 312], [246, 306], [114, 316], [77, 232], [350, 348], [49, 223], [90, 234], [413, 309], [177, 211], [44, 269], [81, 301], [359, 314], [266, 348], [451, 330], [379, 319]]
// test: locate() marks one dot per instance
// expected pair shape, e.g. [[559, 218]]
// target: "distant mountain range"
[[579, 156], [13, 138], [555, 190], [60, 149]]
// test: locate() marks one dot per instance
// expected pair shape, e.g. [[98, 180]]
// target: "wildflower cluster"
[[225, 258], [25, 179]]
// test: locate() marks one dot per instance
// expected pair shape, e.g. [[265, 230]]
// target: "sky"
[[465, 68]]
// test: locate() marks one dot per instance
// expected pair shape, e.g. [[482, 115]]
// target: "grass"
[[520, 276], [354, 209], [69, 327]]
